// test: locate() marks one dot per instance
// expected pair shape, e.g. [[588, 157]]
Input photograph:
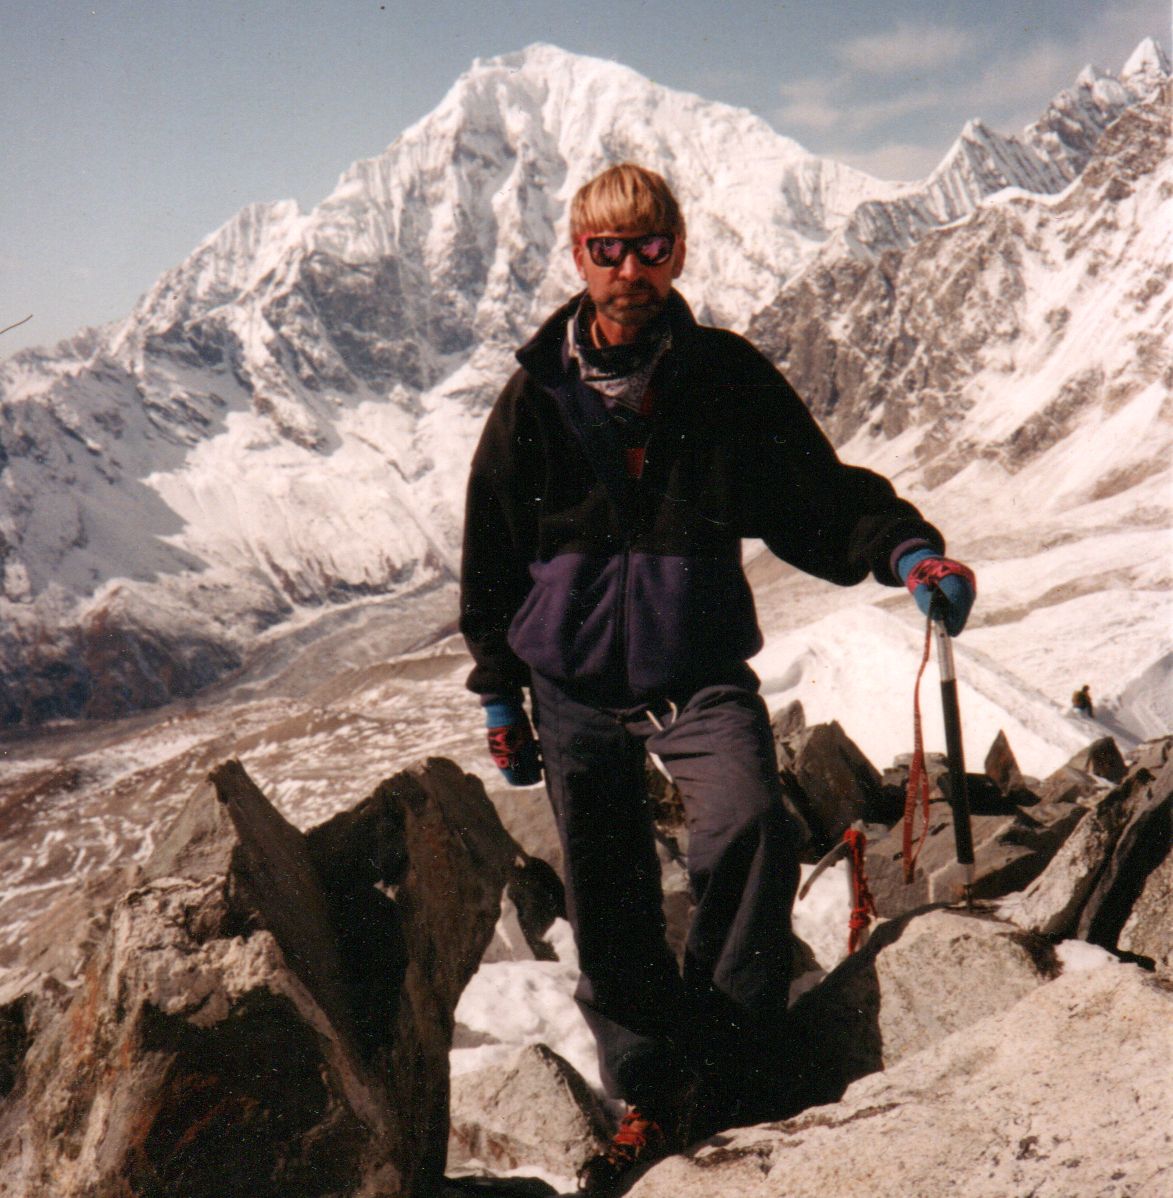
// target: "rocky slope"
[[260, 1011], [279, 431], [1012, 371], [1025, 286]]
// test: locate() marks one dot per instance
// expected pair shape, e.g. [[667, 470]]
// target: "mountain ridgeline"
[[282, 425]]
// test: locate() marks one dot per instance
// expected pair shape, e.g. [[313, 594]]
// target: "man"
[[616, 476]]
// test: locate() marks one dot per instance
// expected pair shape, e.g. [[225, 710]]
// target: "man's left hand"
[[941, 587]]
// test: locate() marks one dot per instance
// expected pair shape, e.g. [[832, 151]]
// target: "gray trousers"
[[721, 1016]]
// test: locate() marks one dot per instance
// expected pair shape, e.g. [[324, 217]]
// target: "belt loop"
[[656, 723], [655, 719]]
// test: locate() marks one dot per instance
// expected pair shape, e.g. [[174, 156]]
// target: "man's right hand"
[[511, 743]]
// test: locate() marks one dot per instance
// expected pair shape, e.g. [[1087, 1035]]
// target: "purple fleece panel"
[[646, 621]]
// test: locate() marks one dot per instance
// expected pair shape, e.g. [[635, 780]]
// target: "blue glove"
[[511, 743], [942, 588]]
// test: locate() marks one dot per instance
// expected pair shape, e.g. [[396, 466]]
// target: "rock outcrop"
[[268, 1013], [535, 1112], [260, 1011], [1093, 882], [1066, 1092], [945, 1052], [920, 978]]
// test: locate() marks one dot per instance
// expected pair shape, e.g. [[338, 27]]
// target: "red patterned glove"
[[942, 588], [511, 743]]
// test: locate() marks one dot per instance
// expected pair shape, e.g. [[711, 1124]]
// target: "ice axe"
[[853, 846], [954, 749], [918, 782]]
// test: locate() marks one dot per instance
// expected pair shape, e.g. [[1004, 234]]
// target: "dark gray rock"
[[1090, 885], [1010, 850], [1148, 931], [1002, 766], [788, 723], [1068, 785], [268, 1015], [1143, 845], [1103, 759], [837, 785]]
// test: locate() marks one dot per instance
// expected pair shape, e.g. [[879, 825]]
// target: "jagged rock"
[[1152, 754], [838, 784], [262, 1017], [1102, 759], [539, 898], [1054, 902], [917, 980], [788, 723], [936, 770], [1148, 931], [535, 1111], [1064, 1093], [1009, 851], [1069, 785], [1143, 845], [1002, 766]]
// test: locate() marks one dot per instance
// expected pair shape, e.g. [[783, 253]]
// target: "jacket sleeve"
[[499, 543], [835, 521]]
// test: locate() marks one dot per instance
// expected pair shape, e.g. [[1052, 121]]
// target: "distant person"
[[1082, 702], [614, 481]]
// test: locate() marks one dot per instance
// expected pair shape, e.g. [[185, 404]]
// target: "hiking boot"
[[638, 1142]]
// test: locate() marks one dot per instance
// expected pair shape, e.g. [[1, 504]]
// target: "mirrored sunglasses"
[[652, 249]]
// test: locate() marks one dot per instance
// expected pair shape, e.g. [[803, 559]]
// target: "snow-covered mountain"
[[280, 429], [1014, 372], [1048, 156]]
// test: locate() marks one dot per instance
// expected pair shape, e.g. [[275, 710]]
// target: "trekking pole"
[[958, 787]]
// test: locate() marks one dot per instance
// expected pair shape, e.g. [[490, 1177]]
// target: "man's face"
[[631, 294]]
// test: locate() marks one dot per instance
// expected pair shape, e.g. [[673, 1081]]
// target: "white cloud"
[[1013, 90], [885, 90], [909, 49], [821, 106], [812, 104], [903, 161]]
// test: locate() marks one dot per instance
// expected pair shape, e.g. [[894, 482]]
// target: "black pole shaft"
[[958, 785]]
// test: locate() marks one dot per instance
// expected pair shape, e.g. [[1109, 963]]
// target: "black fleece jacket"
[[632, 589]]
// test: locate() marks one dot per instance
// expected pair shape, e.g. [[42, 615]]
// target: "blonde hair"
[[625, 197]]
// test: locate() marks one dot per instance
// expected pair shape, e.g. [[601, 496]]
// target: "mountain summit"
[[281, 427]]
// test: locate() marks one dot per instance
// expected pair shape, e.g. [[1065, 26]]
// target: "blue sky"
[[133, 128]]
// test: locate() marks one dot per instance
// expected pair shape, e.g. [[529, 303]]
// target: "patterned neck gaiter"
[[620, 373]]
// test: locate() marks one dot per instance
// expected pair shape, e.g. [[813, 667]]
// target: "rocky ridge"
[[898, 340], [262, 1011]]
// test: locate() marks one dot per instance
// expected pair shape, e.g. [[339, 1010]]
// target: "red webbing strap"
[[918, 777], [934, 569], [863, 905]]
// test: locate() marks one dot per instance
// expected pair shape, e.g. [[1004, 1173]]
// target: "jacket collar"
[[546, 359], [546, 356]]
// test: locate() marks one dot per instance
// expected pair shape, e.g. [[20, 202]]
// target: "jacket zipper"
[[635, 500], [621, 616]]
